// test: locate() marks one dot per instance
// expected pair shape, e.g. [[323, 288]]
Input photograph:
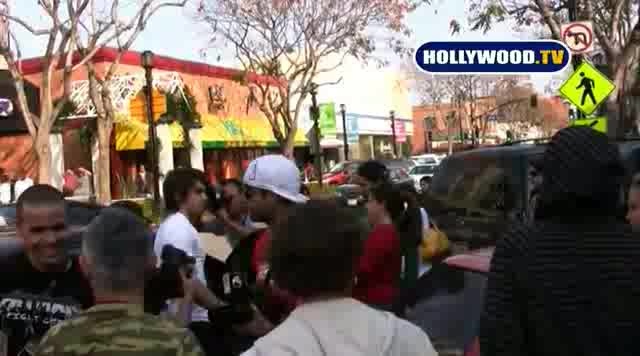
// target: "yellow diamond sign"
[[596, 123], [587, 88]]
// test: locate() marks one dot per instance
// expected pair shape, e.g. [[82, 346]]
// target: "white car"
[[422, 174], [426, 159]]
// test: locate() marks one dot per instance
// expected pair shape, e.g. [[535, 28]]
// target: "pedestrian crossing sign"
[[596, 123], [587, 88]]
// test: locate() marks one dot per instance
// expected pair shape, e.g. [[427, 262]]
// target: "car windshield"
[[427, 160], [337, 168], [423, 170]]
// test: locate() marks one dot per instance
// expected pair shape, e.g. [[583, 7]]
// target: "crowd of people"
[[309, 277], [321, 281]]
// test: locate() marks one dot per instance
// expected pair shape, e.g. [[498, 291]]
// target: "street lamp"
[[392, 115], [146, 60], [343, 111]]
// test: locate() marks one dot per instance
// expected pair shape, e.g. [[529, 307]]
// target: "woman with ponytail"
[[389, 263], [408, 221]]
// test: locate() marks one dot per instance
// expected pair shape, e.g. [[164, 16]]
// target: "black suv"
[[473, 194]]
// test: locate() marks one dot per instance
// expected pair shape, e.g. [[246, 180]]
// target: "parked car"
[[425, 159], [351, 194], [421, 175], [474, 194], [399, 172], [340, 173]]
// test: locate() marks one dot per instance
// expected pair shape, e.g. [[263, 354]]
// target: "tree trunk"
[[615, 126], [103, 191], [288, 144], [43, 151], [449, 139]]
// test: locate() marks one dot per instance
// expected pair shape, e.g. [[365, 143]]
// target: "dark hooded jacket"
[[569, 283]]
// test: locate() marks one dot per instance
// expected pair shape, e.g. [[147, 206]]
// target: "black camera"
[[166, 282], [237, 293], [214, 198]]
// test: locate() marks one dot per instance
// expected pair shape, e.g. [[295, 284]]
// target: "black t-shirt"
[[32, 301]]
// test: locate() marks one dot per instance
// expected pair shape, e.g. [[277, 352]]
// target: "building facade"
[[369, 94], [224, 132]]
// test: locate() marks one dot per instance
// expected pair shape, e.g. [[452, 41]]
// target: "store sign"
[[401, 132], [232, 128], [327, 120], [138, 106], [6, 107], [352, 129]]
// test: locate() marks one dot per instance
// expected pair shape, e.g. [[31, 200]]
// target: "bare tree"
[[514, 106], [126, 32], [616, 29], [67, 26], [296, 40]]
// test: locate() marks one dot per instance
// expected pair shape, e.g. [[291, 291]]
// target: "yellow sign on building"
[[596, 123], [587, 88], [138, 106]]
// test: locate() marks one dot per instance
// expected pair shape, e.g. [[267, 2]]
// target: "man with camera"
[[117, 256], [185, 197]]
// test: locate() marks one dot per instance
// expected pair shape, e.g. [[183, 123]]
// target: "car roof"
[[512, 150], [475, 261], [524, 148]]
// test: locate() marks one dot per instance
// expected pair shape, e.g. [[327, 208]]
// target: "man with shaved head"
[[41, 285], [117, 257]]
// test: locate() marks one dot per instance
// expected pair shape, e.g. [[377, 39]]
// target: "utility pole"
[[315, 116], [576, 59], [392, 115], [343, 111]]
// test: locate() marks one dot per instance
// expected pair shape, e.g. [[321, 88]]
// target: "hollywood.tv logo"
[[515, 57]]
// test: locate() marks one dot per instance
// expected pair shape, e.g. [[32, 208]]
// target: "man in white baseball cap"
[[272, 185]]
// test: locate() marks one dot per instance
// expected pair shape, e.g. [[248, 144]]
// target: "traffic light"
[[534, 100], [430, 135]]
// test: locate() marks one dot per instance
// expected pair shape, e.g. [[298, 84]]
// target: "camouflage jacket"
[[118, 329]]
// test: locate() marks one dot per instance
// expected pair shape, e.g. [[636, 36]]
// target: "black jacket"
[[568, 284]]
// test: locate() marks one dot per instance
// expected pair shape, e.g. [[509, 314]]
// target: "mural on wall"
[[217, 101]]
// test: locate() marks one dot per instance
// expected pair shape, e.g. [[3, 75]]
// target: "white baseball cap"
[[276, 174]]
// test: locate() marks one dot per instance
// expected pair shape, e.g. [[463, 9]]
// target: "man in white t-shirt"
[[185, 201], [23, 183], [5, 188]]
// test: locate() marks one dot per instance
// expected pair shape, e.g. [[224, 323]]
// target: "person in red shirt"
[[272, 187], [381, 263]]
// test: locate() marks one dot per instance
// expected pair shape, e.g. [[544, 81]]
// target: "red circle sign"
[[568, 36]]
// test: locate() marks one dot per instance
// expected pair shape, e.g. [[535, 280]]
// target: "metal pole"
[[344, 132], [153, 148], [315, 111], [392, 114], [576, 59]]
